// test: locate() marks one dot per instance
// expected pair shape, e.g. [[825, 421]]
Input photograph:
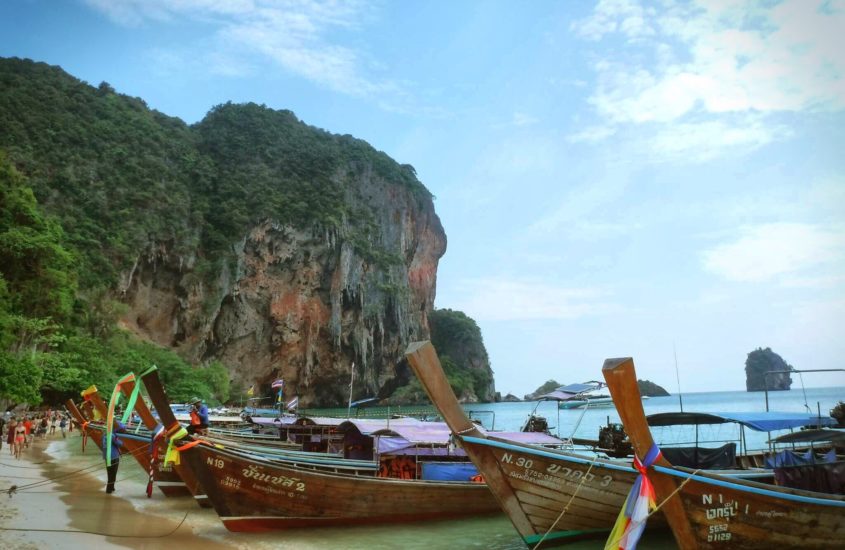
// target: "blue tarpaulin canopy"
[[761, 421]]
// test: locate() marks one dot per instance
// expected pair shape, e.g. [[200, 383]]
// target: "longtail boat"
[[187, 480], [707, 510], [552, 497], [253, 494], [137, 446]]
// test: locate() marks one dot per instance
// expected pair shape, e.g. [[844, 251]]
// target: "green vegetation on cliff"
[[650, 389], [762, 361], [460, 347], [91, 180]]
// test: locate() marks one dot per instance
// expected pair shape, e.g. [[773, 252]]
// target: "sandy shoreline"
[[73, 511], [58, 513]]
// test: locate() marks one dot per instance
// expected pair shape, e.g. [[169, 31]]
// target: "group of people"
[[19, 432]]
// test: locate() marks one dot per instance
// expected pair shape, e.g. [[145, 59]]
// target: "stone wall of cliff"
[[300, 304]]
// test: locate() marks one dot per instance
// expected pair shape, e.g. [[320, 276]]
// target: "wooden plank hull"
[[171, 486], [551, 497], [255, 495], [556, 497], [730, 513], [708, 511]]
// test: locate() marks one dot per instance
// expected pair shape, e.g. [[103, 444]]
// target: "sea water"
[[494, 532]]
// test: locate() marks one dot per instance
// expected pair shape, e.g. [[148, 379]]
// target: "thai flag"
[[292, 404], [279, 383]]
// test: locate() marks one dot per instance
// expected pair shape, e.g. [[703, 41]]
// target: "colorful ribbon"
[[640, 501]]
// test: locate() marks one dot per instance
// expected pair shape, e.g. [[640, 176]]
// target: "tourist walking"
[[10, 435], [53, 423], [20, 439], [42, 427], [116, 445], [28, 435], [63, 426]]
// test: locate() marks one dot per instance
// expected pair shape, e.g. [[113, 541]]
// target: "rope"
[[82, 531], [659, 506], [98, 465], [565, 508]]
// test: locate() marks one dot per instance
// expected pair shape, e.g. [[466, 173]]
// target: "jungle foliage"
[[459, 344], [90, 179]]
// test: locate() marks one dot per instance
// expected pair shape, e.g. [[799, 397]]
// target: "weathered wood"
[[191, 486], [252, 494], [714, 511], [532, 484], [169, 482]]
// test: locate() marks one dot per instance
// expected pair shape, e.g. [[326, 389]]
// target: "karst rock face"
[[300, 304]]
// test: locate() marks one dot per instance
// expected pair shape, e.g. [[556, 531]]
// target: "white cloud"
[[591, 134], [297, 35], [625, 16], [523, 119], [719, 60], [493, 299], [793, 60], [771, 251], [702, 141]]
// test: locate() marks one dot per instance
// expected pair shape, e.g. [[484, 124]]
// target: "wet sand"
[[74, 512]]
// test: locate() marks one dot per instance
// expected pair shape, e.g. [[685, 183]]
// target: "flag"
[[292, 404], [279, 383], [641, 500], [251, 391]]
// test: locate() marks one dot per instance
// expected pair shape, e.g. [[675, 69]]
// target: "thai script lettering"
[[253, 472]]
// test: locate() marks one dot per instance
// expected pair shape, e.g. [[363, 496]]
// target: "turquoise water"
[[586, 424], [495, 533]]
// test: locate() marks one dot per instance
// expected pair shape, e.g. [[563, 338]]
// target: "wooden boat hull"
[[255, 495], [551, 497], [170, 483], [751, 515], [707, 510]]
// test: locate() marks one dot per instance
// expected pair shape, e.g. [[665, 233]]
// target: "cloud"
[[591, 134], [523, 119], [773, 251], [492, 299], [716, 61], [702, 141], [300, 36]]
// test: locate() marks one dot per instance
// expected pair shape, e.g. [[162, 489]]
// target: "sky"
[[663, 180]]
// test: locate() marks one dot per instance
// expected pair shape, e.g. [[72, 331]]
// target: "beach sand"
[[71, 510]]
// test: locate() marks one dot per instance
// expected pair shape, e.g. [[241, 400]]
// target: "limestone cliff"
[[280, 249], [300, 304]]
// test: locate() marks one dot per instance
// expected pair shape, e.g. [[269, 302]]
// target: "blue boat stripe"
[[597, 463], [749, 489]]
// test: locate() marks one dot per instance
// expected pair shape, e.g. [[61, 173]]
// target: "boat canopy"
[[812, 436], [529, 438], [572, 391], [759, 421]]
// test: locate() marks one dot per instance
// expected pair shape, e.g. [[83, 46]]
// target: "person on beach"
[[53, 422], [42, 427], [20, 439], [63, 426], [2, 425], [10, 435], [199, 417], [27, 425], [116, 445]]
